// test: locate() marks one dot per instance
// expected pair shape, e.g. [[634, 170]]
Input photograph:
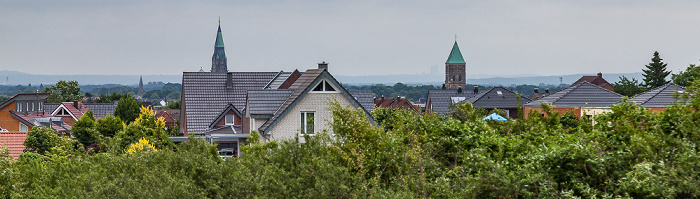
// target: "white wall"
[[289, 126]]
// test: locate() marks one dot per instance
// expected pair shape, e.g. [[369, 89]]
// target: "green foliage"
[[655, 74], [64, 91], [41, 140], [85, 130], [175, 104], [685, 78], [111, 98], [127, 109], [465, 111], [108, 126], [628, 87]]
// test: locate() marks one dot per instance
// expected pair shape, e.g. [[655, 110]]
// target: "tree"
[[127, 109], [628, 87], [109, 126], [174, 104], [685, 78], [64, 91], [41, 140], [84, 129], [655, 74]]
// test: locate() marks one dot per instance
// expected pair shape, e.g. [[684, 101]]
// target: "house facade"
[[581, 99]]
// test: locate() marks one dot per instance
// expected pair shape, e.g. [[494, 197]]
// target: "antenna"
[[560, 81]]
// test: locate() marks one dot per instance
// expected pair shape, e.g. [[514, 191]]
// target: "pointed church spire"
[[455, 56], [218, 60], [141, 84]]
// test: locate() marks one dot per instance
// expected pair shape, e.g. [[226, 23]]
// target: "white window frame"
[[23, 128], [232, 121], [324, 83], [304, 122]]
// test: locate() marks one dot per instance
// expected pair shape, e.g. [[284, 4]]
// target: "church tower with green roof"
[[218, 60], [455, 70]]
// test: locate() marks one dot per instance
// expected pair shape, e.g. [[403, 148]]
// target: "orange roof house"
[[596, 80], [395, 103]]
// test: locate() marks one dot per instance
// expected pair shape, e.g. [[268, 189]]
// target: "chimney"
[[382, 97], [546, 90], [323, 65], [75, 104], [600, 74], [476, 89], [537, 90], [459, 90], [229, 80]]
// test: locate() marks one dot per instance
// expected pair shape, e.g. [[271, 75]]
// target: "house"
[[597, 80], [170, 115], [396, 103], [279, 114], [536, 94], [582, 98], [659, 98], [499, 98], [439, 101], [21, 113], [73, 111]]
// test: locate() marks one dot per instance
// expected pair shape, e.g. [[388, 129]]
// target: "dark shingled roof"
[[205, 94], [365, 98], [101, 110], [661, 96], [492, 99], [441, 100], [278, 80], [582, 94], [266, 102], [229, 129]]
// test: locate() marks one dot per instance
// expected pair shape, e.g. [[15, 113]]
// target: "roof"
[[365, 98], [223, 113], [25, 96], [228, 129], [302, 86], [266, 102], [219, 39], [38, 119], [582, 94], [439, 101], [278, 80], [13, 141], [597, 80], [101, 110], [455, 56], [497, 97], [396, 103], [205, 94], [661, 96]]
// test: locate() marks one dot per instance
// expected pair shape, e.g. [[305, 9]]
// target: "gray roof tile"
[[492, 99], [365, 98], [582, 94], [267, 102], [205, 94], [439, 101], [661, 96]]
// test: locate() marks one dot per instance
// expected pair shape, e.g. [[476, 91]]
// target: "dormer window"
[[230, 119], [324, 86], [62, 112]]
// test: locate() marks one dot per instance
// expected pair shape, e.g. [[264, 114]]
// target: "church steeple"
[[455, 69], [141, 84], [218, 60]]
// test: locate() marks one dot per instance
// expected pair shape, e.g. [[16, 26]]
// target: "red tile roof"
[[13, 141], [596, 80], [78, 110], [397, 103]]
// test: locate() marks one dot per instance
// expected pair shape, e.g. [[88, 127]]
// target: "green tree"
[[84, 129], [109, 126], [655, 74], [628, 87], [41, 140], [64, 91], [174, 104], [127, 109], [685, 78]]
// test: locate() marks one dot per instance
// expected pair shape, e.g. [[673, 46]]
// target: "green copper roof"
[[219, 39], [455, 56], [201, 70]]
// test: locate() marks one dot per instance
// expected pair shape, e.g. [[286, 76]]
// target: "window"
[[23, 128], [307, 122], [324, 86], [229, 119], [20, 107]]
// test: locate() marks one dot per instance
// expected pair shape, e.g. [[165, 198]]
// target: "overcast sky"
[[497, 38]]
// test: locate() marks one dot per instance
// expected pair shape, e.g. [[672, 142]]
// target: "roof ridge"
[[273, 79], [481, 94], [567, 92]]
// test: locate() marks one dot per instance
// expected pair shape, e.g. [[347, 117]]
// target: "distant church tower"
[[141, 84], [218, 60], [455, 70]]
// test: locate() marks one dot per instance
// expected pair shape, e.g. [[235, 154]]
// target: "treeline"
[[414, 93], [627, 153]]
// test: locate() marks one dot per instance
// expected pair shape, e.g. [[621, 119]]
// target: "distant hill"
[[438, 79], [20, 78]]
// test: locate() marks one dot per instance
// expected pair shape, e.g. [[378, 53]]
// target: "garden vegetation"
[[627, 153]]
